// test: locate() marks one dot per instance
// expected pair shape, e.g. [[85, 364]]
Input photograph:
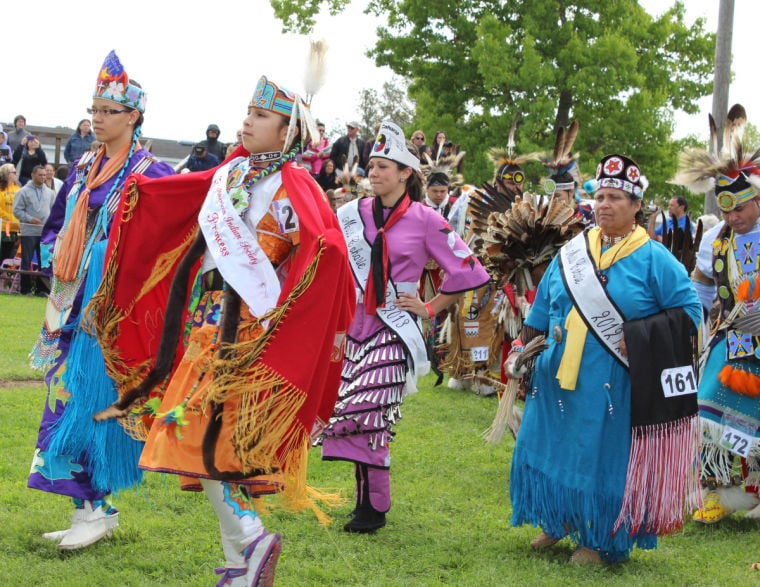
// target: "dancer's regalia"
[[237, 414], [385, 349], [729, 266], [440, 175], [474, 336], [74, 456], [604, 455]]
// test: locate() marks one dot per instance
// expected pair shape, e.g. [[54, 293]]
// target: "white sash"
[[589, 296], [235, 249], [403, 323]]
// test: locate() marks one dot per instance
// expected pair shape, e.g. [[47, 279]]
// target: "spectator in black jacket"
[[30, 154], [212, 143], [349, 148], [328, 178], [200, 159]]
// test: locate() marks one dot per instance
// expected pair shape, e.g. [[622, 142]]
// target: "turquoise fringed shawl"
[[107, 451]]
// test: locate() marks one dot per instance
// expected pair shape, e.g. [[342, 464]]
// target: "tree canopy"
[[391, 103], [474, 66]]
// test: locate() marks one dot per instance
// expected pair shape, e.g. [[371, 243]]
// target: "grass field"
[[449, 524]]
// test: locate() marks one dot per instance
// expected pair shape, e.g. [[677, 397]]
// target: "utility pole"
[[721, 82]]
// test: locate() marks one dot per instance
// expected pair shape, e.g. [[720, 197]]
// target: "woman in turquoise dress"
[[571, 458]]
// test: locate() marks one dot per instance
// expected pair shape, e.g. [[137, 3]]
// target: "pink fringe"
[[662, 481]]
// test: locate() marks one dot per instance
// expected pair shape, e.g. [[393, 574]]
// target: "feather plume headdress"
[[352, 184], [733, 173], [268, 95], [441, 171], [316, 69], [508, 166], [562, 166]]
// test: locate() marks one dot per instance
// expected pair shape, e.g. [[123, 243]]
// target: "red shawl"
[[153, 228]]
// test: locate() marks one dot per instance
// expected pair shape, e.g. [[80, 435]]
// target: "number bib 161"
[[678, 381]]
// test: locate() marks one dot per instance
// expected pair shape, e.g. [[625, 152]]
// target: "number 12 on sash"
[[678, 381]]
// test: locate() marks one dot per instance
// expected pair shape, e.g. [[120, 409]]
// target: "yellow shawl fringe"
[[267, 435]]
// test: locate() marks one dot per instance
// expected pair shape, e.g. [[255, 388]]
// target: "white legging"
[[239, 522]]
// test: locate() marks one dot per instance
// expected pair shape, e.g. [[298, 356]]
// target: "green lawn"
[[449, 524]]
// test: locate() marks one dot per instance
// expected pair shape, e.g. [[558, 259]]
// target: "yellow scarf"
[[567, 374]]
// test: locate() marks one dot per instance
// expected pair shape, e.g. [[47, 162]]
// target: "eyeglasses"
[[418, 138], [105, 111]]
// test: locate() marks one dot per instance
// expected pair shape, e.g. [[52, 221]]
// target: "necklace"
[[607, 242], [244, 176]]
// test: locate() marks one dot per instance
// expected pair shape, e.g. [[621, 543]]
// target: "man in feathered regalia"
[[564, 177], [728, 264], [473, 334], [440, 180], [515, 234]]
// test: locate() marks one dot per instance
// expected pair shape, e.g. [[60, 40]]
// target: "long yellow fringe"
[[266, 414], [297, 494], [267, 435], [242, 376]]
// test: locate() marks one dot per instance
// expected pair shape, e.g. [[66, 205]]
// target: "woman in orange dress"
[[236, 417]]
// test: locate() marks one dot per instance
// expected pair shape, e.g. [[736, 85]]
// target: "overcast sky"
[[199, 62]]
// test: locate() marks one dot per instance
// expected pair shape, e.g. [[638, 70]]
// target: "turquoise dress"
[[570, 460]]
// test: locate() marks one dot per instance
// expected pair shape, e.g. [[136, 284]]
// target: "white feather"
[[316, 69]]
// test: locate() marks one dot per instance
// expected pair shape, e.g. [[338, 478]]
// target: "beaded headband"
[[270, 96], [622, 173]]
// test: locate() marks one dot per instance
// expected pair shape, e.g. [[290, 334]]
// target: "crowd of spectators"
[[21, 154]]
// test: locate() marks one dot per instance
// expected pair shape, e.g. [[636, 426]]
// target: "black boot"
[[365, 517], [358, 475]]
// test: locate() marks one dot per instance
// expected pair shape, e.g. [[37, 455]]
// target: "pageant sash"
[[235, 248], [589, 296], [400, 321]]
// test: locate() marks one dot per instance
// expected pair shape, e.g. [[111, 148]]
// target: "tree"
[[299, 16], [391, 103], [476, 65]]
